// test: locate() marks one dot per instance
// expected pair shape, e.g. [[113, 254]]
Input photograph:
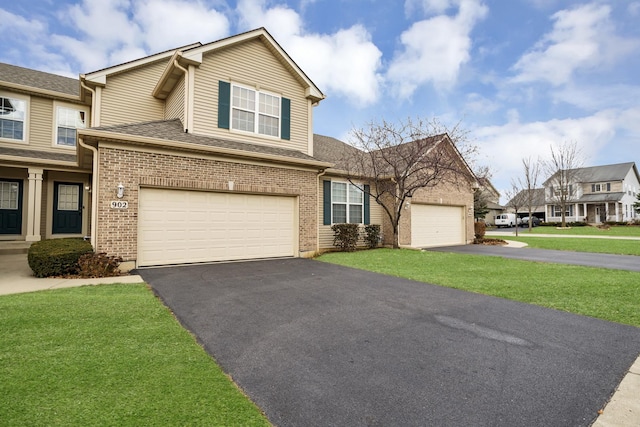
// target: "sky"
[[521, 76]]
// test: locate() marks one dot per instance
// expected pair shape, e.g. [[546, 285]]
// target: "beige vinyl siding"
[[249, 64], [174, 108], [127, 97], [41, 124], [325, 234]]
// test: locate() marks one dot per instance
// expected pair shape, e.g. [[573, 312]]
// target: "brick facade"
[[118, 228]]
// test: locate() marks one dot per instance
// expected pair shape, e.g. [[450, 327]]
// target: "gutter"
[[94, 174]]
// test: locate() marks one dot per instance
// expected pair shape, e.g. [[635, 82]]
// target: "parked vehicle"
[[507, 220], [535, 221]]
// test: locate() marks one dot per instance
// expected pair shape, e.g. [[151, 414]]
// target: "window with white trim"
[[347, 203], [596, 188], [68, 120], [557, 210], [9, 195], [255, 111], [13, 113]]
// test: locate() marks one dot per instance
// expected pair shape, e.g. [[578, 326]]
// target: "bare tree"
[[563, 170], [399, 158], [528, 183], [517, 199]]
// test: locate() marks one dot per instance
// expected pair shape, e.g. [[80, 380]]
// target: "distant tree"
[[562, 170], [528, 182], [399, 158], [517, 199], [636, 205], [480, 201]]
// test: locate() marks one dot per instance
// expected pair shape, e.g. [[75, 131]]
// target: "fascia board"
[[38, 91]]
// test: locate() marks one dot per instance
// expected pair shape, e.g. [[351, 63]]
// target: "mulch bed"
[[489, 242]]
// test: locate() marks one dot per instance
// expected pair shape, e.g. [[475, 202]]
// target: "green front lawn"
[[108, 355], [604, 246], [617, 230], [612, 295]]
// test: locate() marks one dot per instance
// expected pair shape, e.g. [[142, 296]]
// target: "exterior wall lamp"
[[120, 193]]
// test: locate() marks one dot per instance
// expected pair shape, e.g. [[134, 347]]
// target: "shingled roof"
[[39, 79], [172, 130], [615, 172], [332, 150]]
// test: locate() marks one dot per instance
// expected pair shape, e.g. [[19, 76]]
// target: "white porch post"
[[576, 211], [586, 212], [34, 205], [617, 211]]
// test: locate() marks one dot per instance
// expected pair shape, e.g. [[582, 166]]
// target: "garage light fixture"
[[120, 193]]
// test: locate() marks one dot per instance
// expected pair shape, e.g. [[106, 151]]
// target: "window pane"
[[66, 137], [11, 129], [268, 125], [68, 197], [339, 192], [355, 214], [244, 98], [243, 120], [9, 195], [355, 194], [339, 213], [269, 105]]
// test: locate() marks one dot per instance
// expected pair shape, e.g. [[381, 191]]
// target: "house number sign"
[[119, 204]]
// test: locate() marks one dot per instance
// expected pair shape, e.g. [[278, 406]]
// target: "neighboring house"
[[538, 207], [190, 155], [597, 194], [435, 216], [492, 197]]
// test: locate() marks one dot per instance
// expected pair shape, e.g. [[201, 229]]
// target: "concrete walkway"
[[17, 277]]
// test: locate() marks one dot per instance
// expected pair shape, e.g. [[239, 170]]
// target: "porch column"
[[576, 211], [34, 205], [586, 212], [617, 211]]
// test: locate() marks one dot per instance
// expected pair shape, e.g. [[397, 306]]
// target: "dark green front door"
[[67, 208], [10, 206]]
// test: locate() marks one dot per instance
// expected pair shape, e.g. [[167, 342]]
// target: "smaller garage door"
[[436, 225], [179, 226]]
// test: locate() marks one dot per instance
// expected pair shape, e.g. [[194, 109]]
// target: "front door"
[[10, 206], [67, 208]]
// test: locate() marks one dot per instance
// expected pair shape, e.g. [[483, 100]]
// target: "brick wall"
[[117, 228]]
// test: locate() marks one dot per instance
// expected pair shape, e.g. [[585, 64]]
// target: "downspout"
[[94, 175], [186, 94], [318, 204]]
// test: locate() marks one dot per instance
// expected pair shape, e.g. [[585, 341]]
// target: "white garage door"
[[178, 226], [436, 225]]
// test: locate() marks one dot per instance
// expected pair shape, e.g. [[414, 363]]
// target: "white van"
[[507, 220]]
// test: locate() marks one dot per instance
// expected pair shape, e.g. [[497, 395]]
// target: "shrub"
[[345, 236], [372, 235], [98, 265], [479, 228], [56, 257]]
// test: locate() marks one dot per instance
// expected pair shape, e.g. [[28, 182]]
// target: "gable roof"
[[332, 150], [615, 172], [537, 197], [34, 81], [170, 134], [194, 55]]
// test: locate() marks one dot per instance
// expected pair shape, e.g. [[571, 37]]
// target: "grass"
[[612, 295], [109, 355], [618, 231], [604, 246]]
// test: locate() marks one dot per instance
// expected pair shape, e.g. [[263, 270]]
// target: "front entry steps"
[[14, 247]]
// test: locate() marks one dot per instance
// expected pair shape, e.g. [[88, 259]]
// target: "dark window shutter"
[[608, 186], [224, 104], [367, 208], [285, 122], [326, 204]]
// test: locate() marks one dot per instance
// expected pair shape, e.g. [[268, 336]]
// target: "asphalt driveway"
[[315, 344]]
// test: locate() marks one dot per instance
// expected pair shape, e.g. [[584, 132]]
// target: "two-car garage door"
[[180, 226], [437, 225]]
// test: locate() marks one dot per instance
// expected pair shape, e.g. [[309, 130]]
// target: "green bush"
[[345, 236], [372, 235], [98, 265], [56, 257]]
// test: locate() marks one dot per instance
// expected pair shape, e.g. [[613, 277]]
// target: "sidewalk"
[[17, 277]]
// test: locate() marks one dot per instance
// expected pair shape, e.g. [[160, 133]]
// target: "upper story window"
[[68, 120], [255, 111], [248, 110], [13, 113], [596, 188], [347, 203]]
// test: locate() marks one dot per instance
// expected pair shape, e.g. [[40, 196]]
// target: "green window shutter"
[[326, 204], [367, 216], [224, 104], [285, 123]]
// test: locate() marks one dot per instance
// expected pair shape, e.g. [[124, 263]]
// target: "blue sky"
[[520, 75]]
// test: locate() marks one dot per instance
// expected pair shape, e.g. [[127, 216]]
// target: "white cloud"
[[345, 63], [434, 50], [168, 24], [476, 103], [428, 6], [581, 38], [508, 144]]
